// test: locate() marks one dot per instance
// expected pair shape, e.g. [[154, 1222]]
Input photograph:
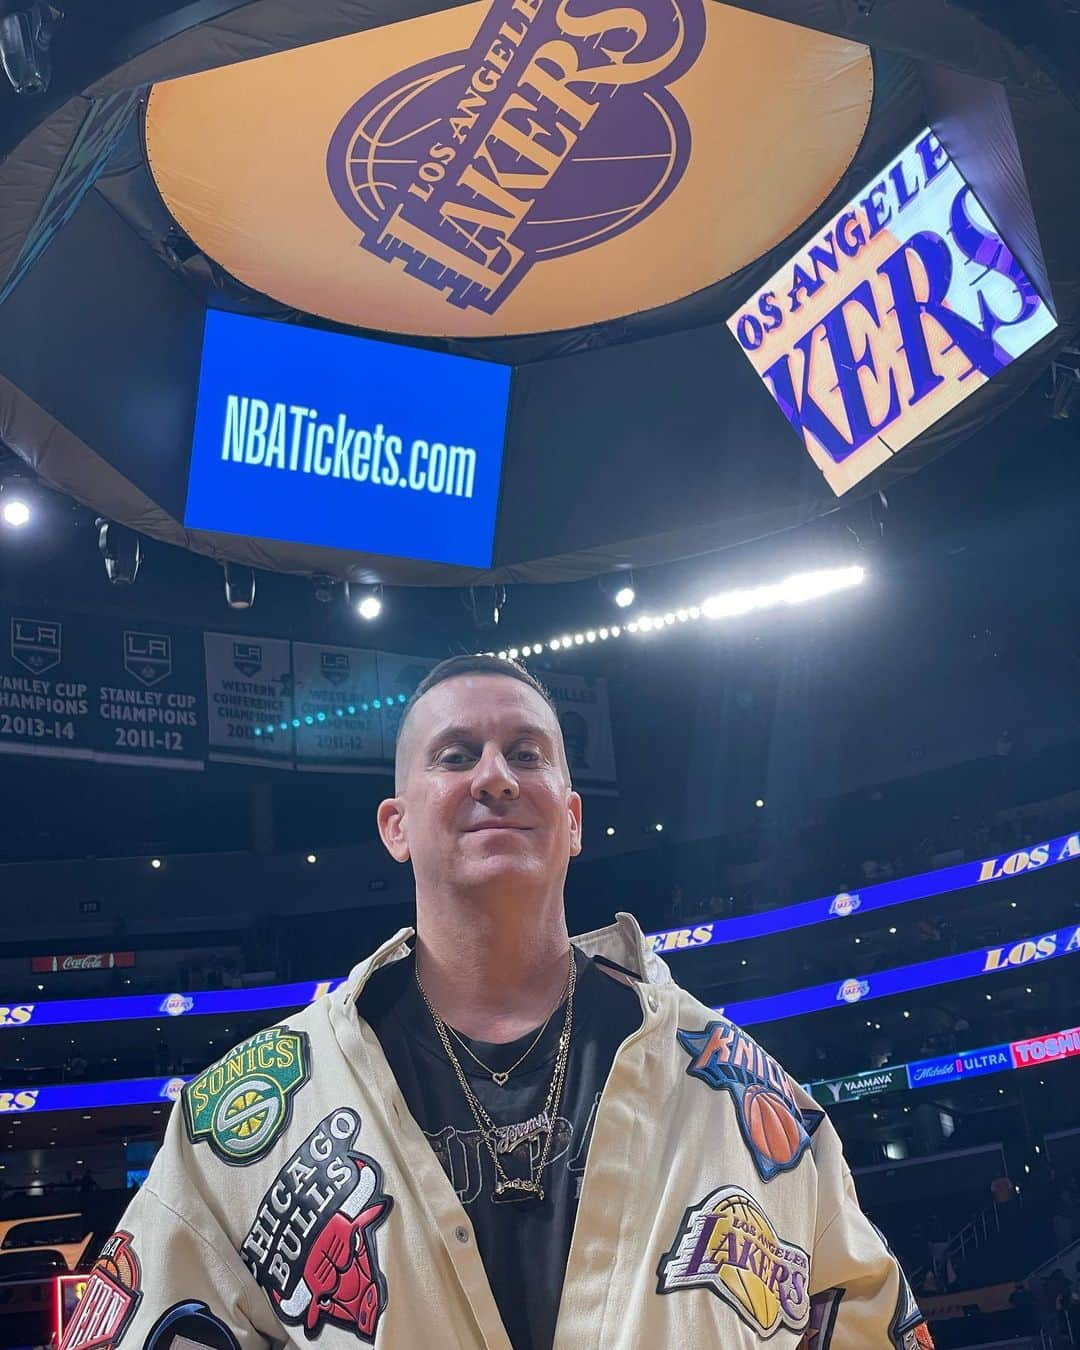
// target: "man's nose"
[[493, 776]]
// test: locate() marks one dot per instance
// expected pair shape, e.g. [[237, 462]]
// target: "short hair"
[[454, 666]]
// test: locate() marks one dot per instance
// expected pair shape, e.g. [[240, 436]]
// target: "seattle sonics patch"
[[773, 1128], [241, 1104], [727, 1244]]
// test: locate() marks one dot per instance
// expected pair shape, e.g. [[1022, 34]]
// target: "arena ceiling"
[[244, 157]]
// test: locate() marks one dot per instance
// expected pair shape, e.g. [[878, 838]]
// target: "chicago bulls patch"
[[312, 1244], [108, 1303], [772, 1125]]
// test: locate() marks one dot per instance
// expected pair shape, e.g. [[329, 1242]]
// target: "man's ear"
[[573, 807], [391, 821]]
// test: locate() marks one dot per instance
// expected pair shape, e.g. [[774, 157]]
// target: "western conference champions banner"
[[152, 694]]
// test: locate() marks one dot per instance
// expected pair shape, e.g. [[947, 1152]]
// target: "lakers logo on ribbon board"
[[241, 1104], [510, 166], [727, 1244]]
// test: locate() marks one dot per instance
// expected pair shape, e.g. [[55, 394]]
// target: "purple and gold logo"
[[556, 130], [726, 1244]]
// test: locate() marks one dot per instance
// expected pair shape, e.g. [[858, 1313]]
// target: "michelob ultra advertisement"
[[901, 307]]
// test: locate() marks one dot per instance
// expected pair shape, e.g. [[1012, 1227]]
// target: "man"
[[497, 1138]]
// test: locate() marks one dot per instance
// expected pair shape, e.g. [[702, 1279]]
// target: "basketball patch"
[[769, 1118], [113, 1291], [727, 1245], [241, 1104]]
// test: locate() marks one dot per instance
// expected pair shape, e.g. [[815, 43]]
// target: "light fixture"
[[659, 827], [312, 858], [239, 585], [26, 46], [121, 550], [796, 589], [365, 600], [155, 863], [624, 597], [906, 1013], [16, 510], [759, 803], [40, 988], [610, 831], [892, 930]]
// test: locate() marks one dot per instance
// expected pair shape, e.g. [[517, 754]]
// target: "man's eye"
[[453, 757], [531, 755]]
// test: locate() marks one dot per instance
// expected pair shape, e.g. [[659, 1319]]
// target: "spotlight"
[[121, 549], [239, 585], [759, 803], [366, 600], [659, 827], [312, 858], [610, 831], [155, 863], [25, 42], [322, 587], [16, 510], [624, 597]]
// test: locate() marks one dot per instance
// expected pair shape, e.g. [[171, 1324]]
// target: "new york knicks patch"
[[312, 1245], [771, 1123], [241, 1104], [727, 1245]]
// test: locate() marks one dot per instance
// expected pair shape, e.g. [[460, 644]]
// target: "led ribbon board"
[[870, 898], [906, 979], [901, 307], [322, 438], [1035, 1051]]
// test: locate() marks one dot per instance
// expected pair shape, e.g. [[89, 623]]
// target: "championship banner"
[[398, 678], [867, 900], [329, 685], [582, 704], [249, 683], [904, 304], [43, 965], [857, 1086], [107, 691]]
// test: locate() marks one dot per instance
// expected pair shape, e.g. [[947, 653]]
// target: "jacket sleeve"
[[169, 1278], [860, 1298]]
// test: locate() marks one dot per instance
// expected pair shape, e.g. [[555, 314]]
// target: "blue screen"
[[321, 438]]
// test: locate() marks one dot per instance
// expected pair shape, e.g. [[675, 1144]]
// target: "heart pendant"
[[500, 1078]]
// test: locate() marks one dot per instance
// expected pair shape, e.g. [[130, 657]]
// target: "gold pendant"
[[504, 1189], [500, 1078]]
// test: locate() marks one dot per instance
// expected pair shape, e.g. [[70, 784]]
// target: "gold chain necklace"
[[492, 1134], [500, 1078]]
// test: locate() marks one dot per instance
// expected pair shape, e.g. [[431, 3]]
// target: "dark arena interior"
[[300, 395]]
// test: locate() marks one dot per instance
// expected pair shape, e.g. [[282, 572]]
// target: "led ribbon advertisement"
[[770, 1008], [870, 898], [1036, 1051]]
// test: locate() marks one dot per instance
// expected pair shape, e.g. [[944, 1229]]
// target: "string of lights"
[[348, 710], [794, 590]]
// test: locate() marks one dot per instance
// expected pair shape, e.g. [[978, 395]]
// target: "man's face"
[[484, 797]]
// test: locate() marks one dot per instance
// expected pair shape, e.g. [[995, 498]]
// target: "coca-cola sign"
[[41, 965]]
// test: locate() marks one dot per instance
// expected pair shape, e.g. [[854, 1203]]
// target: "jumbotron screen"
[[321, 438], [903, 305]]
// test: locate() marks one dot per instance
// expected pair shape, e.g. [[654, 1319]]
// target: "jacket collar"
[[622, 943]]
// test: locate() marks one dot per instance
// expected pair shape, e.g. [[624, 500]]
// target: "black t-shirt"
[[524, 1244]]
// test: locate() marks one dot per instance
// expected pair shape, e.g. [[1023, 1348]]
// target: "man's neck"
[[495, 971]]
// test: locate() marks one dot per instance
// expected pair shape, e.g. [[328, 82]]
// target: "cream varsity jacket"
[[295, 1199]]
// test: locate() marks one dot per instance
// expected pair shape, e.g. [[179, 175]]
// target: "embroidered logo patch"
[[188, 1325], [908, 1329], [241, 1104], [770, 1120], [312, 1245], [726, 1244], [108, 1303]]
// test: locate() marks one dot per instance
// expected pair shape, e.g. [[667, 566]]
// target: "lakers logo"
[[726, 1244], [241, 1104], [553, 132], [771, 1122]]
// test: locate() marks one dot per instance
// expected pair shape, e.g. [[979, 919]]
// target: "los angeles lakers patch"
[[769, 1118], [241, 1104], [726, 1244]]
